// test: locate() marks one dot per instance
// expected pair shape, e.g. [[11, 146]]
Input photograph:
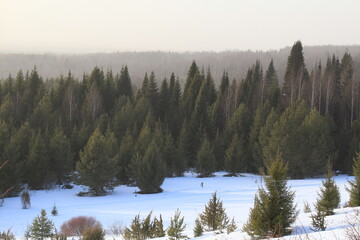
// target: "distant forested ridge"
[[236, 63], [110, 130]]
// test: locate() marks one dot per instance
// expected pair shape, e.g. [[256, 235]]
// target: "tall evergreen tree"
[[274, 210], [124, 86], [61, 157], [205, 160], [235, 161], [149, 169], [96, 168], [295, 76], [37, 164]]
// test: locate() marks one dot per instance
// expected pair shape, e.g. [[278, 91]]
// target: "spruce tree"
[[61, 156], [41, 227], [149, 170], [354, 188], [329, 196], [124, 86], [96, 169], [37, 165], [214, 216], [274, 210], [205, 160], [235, 161]]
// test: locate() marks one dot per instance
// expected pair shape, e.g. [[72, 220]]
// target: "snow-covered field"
[[188, 194]]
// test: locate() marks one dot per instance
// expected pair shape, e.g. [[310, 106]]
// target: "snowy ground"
[[185, 194]]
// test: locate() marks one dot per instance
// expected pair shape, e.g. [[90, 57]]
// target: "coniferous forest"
[[102, 130]]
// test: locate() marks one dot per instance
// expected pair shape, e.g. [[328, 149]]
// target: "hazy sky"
[[174, 25]]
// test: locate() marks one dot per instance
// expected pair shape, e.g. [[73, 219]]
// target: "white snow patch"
[[188, 194]]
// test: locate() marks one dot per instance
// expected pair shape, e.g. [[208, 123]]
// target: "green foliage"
[[318, 220], [274, 210], [96, 169], [198, 229], [235, 156], [7, 235], [41, 227], [231, 227], [54, 210], [307, 208], [37, 165], [354, 188], [145, 228], [176, 228], [329, 196], [205, 160], [94, 233], [214, 216], [61, 155], [149, 170]]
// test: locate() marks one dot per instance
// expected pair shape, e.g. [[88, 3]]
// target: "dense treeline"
[[236, 63], [111, 133]]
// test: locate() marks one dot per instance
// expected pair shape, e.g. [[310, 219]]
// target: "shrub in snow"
[[76, 226], [94, 233], [117, 228], [214, 216], [318, 220], [8, 235], [176, 227], [307, 208], [41, 227], [231, 227], [198, 229], [144, 229], [25, 199]]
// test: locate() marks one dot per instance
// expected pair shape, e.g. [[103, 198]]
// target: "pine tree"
[[214, 216], [274, 210], [198, 229], [205, 160], [354, 189], [41, 227], [176, 227], [96, 169], [329, 196], [157, 230]]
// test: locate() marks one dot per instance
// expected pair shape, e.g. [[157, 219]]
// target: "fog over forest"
[[164, 63]]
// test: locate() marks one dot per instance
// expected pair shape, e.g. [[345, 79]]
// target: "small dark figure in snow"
[[202, 184]]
